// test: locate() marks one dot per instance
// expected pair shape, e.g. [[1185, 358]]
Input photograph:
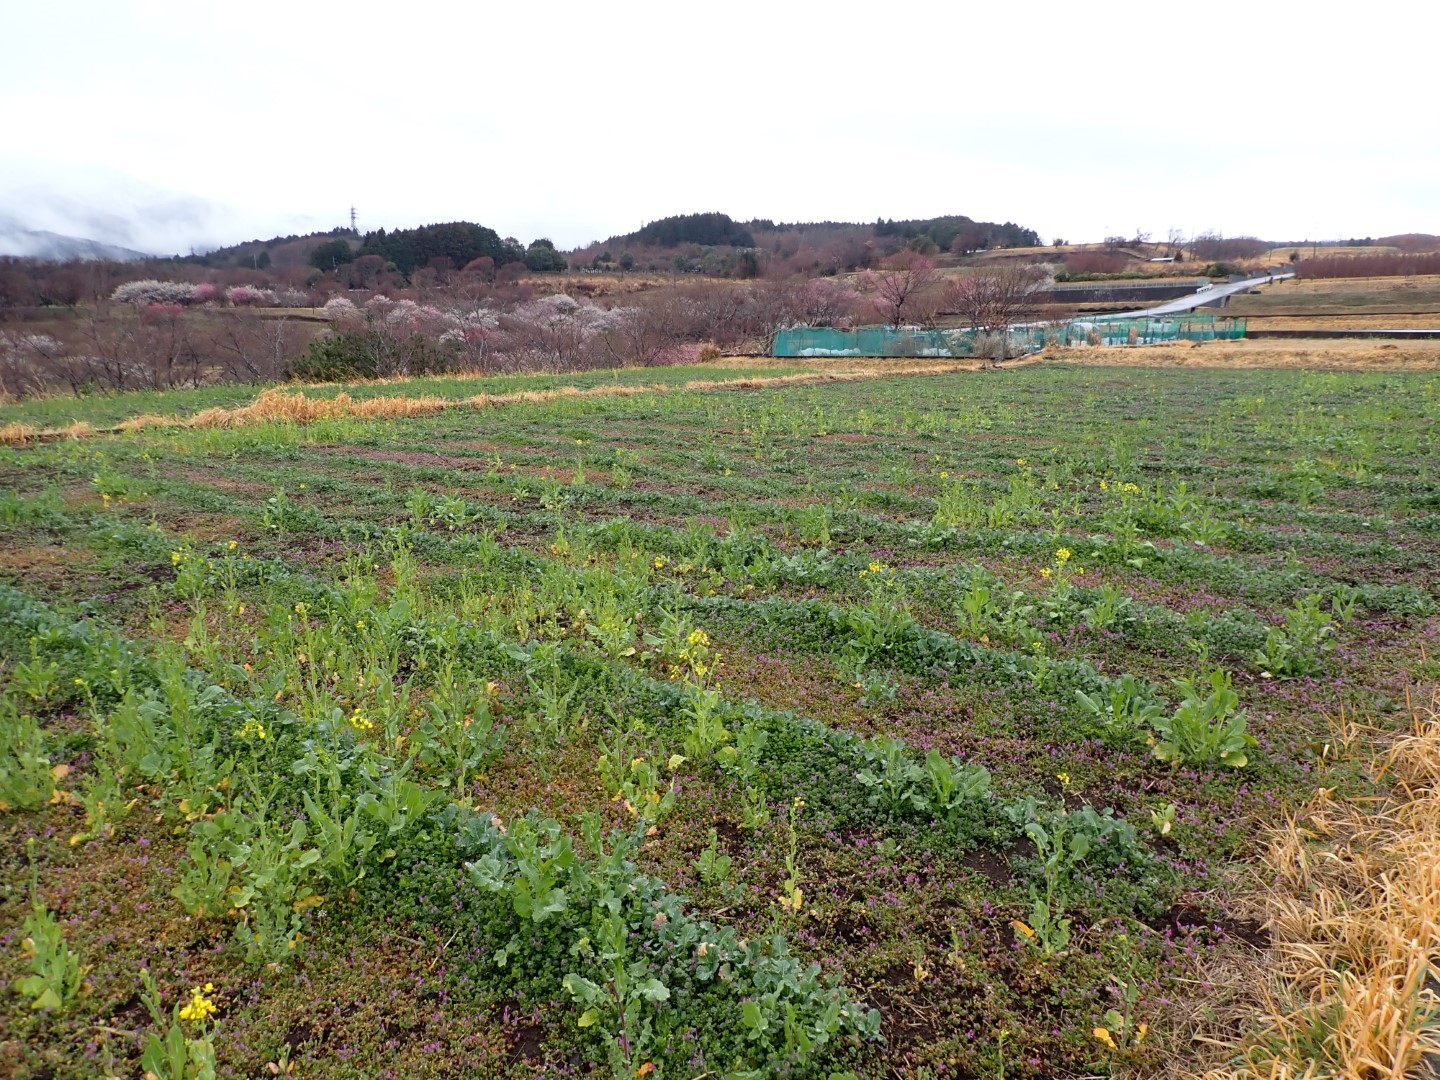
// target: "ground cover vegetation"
[[898, 727]]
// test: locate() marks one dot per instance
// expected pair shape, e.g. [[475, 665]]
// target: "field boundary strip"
[[285, 406]]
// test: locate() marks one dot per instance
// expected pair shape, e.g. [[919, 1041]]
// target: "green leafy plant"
[[1299, 648], [57, 977], [1123, 709], [26, 778], [36, 679], [716, 868], [954, 785], [1109, 607], [174, 1055], [891, 778], [457, 729], [706, 732], [1208, 726]]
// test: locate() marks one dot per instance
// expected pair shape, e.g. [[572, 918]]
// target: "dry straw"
[[1354, 913], [17, 434]]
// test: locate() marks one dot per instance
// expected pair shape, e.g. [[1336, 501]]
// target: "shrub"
[[369, 353], [1220, 269]]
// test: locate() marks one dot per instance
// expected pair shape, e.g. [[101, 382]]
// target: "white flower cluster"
[[150, 291], [340, 309]]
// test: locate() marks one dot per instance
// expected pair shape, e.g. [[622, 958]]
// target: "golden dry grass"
[[1398, 321], [1353, 904], [17, 434], [294, 407], [1332, 354]]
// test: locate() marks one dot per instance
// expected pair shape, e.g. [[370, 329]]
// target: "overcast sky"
[[169, 125]]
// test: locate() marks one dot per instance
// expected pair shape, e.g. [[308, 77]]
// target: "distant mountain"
[[123, 211], [56, 247]]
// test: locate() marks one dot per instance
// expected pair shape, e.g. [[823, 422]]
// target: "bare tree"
[[254, 348], [992, 301], [902, 287]]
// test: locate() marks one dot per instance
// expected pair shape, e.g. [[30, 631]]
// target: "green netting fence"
[[801, 341]]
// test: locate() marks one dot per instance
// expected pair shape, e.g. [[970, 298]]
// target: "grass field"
[[1343, 296], [895, 727]]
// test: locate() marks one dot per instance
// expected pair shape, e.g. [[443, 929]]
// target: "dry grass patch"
[[283, 406], [17, 434], [1331, 354], [1354, 910], [1405, 321]]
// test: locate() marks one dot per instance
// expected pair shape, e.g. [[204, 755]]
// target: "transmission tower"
[[352, 219]]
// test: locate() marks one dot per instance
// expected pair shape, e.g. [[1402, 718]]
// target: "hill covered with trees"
[[716, 244]]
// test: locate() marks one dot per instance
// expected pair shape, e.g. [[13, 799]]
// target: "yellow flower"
[[1021, 461], [1062, 556], [301, 609], [1103, 1034], [1104, 486], [1063, 777], [200, 1007], [359, 723], [876, 567], [1045, 571], [175, 558], [359, 624], [233, 545], [944, 476]]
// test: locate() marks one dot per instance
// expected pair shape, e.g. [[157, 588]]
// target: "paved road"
[[1194, 300]]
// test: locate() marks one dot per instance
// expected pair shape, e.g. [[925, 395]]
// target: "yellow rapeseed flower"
[[1062, 556], [200, 1007]]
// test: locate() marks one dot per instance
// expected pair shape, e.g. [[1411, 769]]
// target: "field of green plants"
[[908, 727]]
